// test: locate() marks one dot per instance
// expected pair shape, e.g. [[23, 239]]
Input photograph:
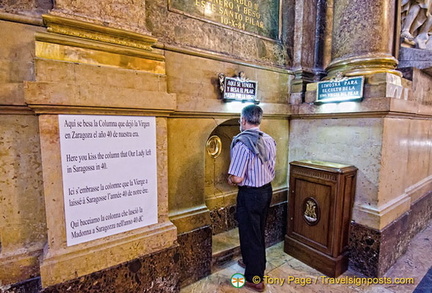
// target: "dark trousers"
[[252, 209]]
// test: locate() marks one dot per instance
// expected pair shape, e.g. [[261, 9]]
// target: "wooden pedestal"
[[320, 203]]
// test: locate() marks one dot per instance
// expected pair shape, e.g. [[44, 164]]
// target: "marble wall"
[[73, 73], [127, 15], [16, 60], [391, 151], [332, 139], [373, 252], [23, 227], [145, 59], [194, 80], [199, 195], [57, 73], [220, 197], [377, 147], [25, 7], [173, 28]]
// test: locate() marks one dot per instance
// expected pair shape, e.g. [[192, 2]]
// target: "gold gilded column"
[[363, 38]]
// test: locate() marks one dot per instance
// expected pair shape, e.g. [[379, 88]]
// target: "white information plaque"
[[109, 174]]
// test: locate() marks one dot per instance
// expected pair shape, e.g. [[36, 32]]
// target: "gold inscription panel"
[[259, 17]]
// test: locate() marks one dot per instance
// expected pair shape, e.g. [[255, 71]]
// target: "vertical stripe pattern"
[[244, 163]]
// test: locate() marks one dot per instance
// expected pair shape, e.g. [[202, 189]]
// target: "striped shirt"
[[244, 163]]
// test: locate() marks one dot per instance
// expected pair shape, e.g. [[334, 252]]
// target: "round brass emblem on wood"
[[311, 212]]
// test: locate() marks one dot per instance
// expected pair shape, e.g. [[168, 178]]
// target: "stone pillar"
[[304, 49], [363, 38], [22, 209]]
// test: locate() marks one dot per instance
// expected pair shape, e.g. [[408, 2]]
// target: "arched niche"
[[220, 197]]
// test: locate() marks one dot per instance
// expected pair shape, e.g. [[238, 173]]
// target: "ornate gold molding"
[[98, 46], [366, 65], [71, 32], [85, 30]]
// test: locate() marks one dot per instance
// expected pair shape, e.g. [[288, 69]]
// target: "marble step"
[[225, 249]]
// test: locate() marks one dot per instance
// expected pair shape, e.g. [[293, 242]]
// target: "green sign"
[[259, 17], [347, 89]]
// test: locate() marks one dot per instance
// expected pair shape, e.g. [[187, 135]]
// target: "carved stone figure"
[[417, 23], [242, 76], [221, 78]]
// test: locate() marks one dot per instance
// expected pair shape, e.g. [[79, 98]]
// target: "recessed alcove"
[[220, 197]]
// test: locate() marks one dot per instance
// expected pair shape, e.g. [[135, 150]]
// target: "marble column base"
[[373, 252]]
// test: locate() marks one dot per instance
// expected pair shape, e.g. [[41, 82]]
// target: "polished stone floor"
[[410, 268]]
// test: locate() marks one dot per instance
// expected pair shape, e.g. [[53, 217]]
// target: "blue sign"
[[347, 89], [236, 89]]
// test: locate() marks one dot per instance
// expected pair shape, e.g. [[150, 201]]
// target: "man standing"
[[252, 168]]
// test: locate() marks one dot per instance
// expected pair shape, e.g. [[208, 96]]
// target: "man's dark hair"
[[252, 114]]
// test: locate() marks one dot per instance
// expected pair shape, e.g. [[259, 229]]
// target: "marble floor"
[[410, 268]]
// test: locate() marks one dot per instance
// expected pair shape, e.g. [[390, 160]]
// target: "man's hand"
[[234, 180]]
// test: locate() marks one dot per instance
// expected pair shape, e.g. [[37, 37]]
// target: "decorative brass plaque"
[[260, 17], [311, 211], [214, 146]]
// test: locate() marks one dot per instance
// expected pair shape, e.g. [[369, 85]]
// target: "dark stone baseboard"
[[163, 271], [421, 213], [28, 286], [275, 231], [223, 219], [156, 272], [373, 252], [364, 247], [276, 223], [195, 249]]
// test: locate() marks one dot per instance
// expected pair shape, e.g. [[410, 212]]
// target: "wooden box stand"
[[320, 202]]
